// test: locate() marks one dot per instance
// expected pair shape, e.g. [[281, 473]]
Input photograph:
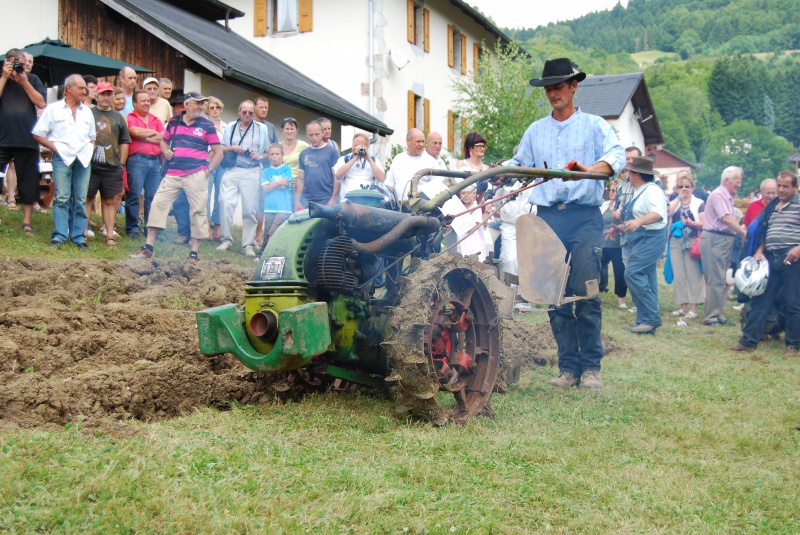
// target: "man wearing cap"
[[192, 149], [144, 167], [568, 138], [110, 156], [158, 106], [643, 241]]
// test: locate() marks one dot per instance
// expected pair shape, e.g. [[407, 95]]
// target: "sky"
[[530, 14]]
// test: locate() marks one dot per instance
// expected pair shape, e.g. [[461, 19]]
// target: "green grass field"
[[687, 437], [649, 57]]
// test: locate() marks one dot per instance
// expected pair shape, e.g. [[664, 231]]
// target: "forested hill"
[[687, 27]]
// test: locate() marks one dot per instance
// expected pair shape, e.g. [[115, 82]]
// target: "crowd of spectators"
[[142, 144]]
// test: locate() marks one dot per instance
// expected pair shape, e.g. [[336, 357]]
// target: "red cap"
[[102, 87]]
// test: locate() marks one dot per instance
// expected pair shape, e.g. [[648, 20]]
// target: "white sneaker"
[[90, 233], [224, 246], [622, 306], [248, 251], [632, 309]]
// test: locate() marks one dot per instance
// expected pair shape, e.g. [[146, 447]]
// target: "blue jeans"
[[72, 185], [180, 209], [213, 184], [786, 280], [576, 326], [643, 249], [144, 173]]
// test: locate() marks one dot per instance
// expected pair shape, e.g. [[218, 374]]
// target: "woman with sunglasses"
[[474, 150], [686, 220], [292, 147], [612, 250], [214, 108]]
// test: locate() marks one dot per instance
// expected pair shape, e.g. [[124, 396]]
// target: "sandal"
[[679, 312], [110, 242], [12, 206], [193, 257], [691, 315], [38, 209], [27, 229]]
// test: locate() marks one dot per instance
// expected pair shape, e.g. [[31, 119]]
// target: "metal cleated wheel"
[[460, 345]]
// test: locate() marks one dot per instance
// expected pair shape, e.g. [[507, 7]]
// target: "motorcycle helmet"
[[751, 276]]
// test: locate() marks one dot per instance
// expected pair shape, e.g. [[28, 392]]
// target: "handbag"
[[694, 252]]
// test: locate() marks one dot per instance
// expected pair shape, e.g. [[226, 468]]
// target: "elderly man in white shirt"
[[406, 164], [67, 128], [433, 146]]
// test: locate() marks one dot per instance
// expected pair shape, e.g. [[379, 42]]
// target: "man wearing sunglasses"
[[244, 144]]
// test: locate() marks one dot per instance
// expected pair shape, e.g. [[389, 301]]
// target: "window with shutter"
[[259, 18], [463, 54]]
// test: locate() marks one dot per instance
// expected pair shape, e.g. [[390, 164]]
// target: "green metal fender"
[[304, 333]]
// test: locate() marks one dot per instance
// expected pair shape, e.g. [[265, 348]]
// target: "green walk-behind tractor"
[[355, 294]]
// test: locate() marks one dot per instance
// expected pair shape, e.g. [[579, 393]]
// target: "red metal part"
[[463, 361], [462, 324]]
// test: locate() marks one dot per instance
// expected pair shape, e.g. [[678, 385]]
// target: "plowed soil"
[[101, 342]]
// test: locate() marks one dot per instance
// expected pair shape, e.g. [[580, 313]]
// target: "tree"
[[754, 148], [500, 105]]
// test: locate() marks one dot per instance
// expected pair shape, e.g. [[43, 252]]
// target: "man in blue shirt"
[[571, 139]]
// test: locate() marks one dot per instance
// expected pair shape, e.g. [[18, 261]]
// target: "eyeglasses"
[[214, 108], [289, 120], [247, 112], [612, 191], [684, 187], [479, 146]]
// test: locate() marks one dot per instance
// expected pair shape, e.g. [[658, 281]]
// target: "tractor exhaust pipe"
[[376, 223]]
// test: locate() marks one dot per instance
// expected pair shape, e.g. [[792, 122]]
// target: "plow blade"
[[543, 262]]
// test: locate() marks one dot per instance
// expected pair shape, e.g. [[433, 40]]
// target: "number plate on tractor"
[[272, 268]]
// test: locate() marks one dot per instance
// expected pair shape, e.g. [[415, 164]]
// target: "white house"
[[392, 58]]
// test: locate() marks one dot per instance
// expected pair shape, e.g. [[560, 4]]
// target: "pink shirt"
[[718, 205], [139, 145]]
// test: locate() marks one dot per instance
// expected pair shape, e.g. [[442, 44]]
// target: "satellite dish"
[[398, 57]]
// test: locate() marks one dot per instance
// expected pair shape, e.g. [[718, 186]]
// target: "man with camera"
[[358, 169], [244, 145], [20, 96]]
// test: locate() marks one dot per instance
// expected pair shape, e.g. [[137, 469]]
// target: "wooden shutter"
[[412, 119], [476, 60], [410, 16], [426, 17], [451, 130], [305, 10], [463, 54], [259, 18], [426, 106], [450, 52], [463, 126]]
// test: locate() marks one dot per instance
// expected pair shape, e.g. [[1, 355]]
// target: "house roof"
[[663, 157], [208, 9], [607, 96], [236, 60], [481, 19]]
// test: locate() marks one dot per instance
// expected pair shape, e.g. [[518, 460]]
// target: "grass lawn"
[[649, 57], [687, 437]]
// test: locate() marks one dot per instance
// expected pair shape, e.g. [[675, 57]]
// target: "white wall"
[[335, 54], [28, 23], [628, 128]]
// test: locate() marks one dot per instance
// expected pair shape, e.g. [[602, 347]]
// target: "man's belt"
[[148, 156], [566, 206], [721, 233], [248, 166]]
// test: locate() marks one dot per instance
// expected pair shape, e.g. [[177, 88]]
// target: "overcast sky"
[[530, 14]]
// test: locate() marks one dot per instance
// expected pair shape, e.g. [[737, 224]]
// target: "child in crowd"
[[476, 242], [276, 181]]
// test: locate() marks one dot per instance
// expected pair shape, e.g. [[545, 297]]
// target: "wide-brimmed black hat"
[[556, 71], [641, 165]]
